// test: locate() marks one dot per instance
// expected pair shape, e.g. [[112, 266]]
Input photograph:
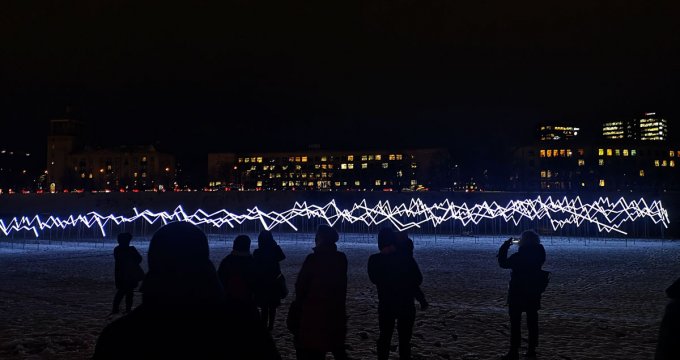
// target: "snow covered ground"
[[605, 300]]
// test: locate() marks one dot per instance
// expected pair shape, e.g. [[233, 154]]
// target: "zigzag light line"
[[607, 215]]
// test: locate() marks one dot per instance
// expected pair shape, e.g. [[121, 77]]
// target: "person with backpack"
[[127, 272], [271, 284], [527, 282]]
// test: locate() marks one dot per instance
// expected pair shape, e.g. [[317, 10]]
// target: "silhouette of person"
[[397, 278], [405, 245], [321, 291], [236, 273], [127, 272], [668, 346], [183, 313], [268, 292], [523, 293]]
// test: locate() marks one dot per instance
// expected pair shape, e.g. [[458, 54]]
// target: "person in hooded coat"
[[524, 294], [668, 346], [321, 292], [183, 314], [236, 273], [269, 288]]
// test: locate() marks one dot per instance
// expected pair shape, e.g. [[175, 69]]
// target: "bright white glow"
[[607, 215]]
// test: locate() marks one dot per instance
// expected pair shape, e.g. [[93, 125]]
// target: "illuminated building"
[[614, 165], [557, 132], [316, 169], [648, 127], [70, 165]]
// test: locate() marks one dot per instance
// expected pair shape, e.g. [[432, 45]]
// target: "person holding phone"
[[524, 293]]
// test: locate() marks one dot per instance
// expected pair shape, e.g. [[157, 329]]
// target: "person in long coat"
[[524, 294], [270, 285], [183, 314], [321, 291], [127, 272]]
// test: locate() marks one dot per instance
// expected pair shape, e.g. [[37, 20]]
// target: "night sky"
[[252, 75]]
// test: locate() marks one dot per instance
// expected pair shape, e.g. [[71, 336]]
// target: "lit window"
[[304, 159], [364, 157], [671, 153], [548, 174], [378, 157], [642, 173], [563, 153], [247, 160], [569, 153], [364, 165], [304, 175], [350, 166], [542, 173], [143, 158], [371, 157], [324, 166], [298, 167], [609, 152], [601, 182], [385, 165], [581, 152], [284, 183], [135, 174], [625, 152], [414, 165], [399, 157], [317, 166], [600, 162], [350, 157], [414, 182], [671, 163], [265, 167], [617, 152], [392, 157], [664, 163], [143, 174], [600, 152], [656, 163], [311, 183], [377, 182], [240, 160], [343, 166], [581, 162], [400, 174], [259, 159], [548, 153], [297, 159], [357, 182], [259, 183], [633, 152], [542, 153], [337, 183], [253, 159]]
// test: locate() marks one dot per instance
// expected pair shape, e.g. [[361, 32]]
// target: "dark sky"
[[285, 74]]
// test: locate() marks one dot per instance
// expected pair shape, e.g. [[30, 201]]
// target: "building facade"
[[613, 165], [70, 165], [382, 170], [648, 127], [557, 132]]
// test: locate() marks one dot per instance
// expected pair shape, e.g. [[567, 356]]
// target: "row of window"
[[343, 166], [290, 183], [304, 159]]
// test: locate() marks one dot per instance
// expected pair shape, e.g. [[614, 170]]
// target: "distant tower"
[[65, 137]]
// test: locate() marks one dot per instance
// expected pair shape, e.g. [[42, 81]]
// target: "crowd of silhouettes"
[[191, 310]]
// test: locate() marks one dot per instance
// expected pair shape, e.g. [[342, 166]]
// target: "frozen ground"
[[605, 300]]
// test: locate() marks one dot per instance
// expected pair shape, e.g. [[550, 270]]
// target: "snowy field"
[[605, 300]]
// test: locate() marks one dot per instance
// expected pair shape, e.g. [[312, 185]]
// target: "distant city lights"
[[606, 214]]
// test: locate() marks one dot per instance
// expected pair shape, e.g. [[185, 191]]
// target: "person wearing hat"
[[183, 313], [321, 292]]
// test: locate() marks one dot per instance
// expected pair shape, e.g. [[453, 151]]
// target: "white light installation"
[[607, 215]]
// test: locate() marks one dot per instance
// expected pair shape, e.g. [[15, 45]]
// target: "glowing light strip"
[[606, 215]]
